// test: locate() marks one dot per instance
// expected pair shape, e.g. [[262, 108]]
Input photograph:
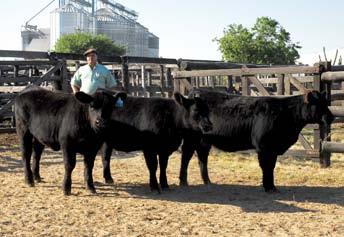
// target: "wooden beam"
[[259, 86], [333, 147], [304, 142], [247, 71], [28, 62], [26, 79], [298, 85], [337, 111], [332, 76]]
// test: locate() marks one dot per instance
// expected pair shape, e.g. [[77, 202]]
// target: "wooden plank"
[[7, 130], [245, 86], [132, 59], [23, 54], [337, 111], [304, 142], [298, 85], [280, 85], [274, 80], [11, 89], [332, 76], [287, 86], [259, 86], [125, 75], [11, 79], [186, 84], [28, 62], [247, 71], [332, 147], [337, 68]]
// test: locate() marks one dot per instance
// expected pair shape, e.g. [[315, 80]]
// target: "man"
[[92, 76]]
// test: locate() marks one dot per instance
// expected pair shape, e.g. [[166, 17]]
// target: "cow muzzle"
[[100, 123]]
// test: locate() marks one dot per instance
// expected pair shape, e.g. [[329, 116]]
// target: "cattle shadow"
[[249, 198]]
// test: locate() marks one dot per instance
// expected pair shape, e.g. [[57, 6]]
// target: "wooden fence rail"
[[142, 76]]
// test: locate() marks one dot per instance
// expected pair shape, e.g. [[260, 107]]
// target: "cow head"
[[100, 106], [317, 108], [197, 112]]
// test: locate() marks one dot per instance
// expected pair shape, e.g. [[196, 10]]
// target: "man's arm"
[[76, 82]]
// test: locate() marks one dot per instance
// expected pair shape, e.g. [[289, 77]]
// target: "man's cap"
[[91, 50]]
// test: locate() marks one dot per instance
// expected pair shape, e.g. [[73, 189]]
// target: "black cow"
[[62, 121], [156, 126], [270, 125]]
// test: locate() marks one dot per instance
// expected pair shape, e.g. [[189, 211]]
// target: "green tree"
[[81, 41], [267, 42]]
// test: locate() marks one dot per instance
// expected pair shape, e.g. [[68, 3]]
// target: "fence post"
[[169, 82], [143, 80], [149, 83], [280, 85], [323, 133], [162, 82], [125, 73], [57, 84], [245, 86]]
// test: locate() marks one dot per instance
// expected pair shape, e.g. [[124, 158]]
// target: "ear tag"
[[119, 103]]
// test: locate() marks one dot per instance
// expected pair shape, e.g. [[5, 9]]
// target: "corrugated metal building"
[[98, 17]]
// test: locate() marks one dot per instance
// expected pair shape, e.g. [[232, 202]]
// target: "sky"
[[186, 28]]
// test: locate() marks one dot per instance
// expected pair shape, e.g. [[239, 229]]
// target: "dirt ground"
[[311, 202]]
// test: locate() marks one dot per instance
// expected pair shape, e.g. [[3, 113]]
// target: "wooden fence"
[[148, 77], [274, 80]]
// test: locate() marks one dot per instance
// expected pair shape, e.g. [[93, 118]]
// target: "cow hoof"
[[30, 183], [109, 181], [67, 192], [38, 179], [156, 190], [165, 188], [207, 182], [92, 190], [183, 183]]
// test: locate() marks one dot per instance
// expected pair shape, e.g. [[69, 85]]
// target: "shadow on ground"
[[249, 198]]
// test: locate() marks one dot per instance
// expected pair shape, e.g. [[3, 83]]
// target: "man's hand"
[[75, 89]]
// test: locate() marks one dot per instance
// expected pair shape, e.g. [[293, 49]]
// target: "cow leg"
[[152, 164], [26, 152], [69, 159], [267, 163], [163, 161], [88, 172], [188, 150], [36, 157], [203, 153], [106, 157]]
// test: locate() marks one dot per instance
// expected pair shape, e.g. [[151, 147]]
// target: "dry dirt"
[[311, 202]]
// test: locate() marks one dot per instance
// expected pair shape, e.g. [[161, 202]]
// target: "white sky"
[[186, 28]]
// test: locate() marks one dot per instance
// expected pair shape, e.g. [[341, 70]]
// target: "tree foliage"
[[267, 42], [79, 42]]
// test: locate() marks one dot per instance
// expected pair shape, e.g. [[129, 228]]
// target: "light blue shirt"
[[89, 80]]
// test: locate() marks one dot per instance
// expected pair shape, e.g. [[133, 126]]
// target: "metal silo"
[[68, 19]]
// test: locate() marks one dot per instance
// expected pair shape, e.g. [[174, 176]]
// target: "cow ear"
[[182, 100], [83, 97]]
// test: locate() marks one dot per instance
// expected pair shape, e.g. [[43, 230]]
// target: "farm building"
[[97, 17]]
